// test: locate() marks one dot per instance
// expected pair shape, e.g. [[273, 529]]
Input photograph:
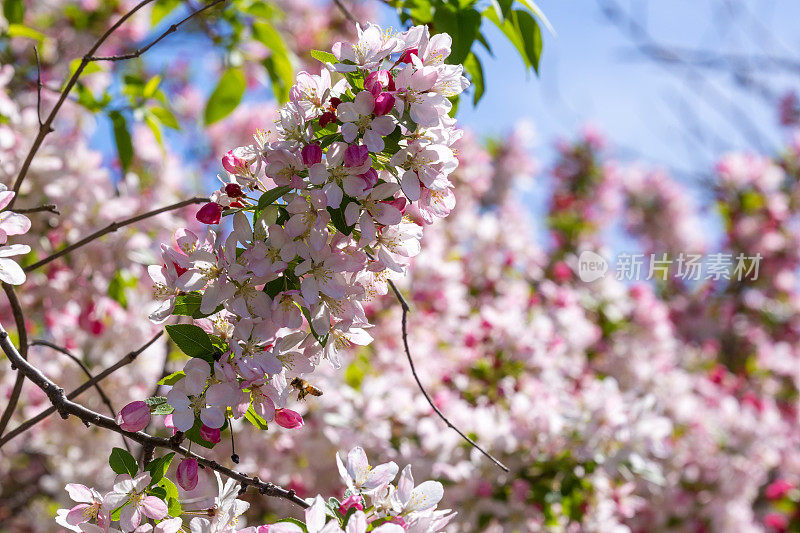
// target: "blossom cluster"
[[355, 147], [144, 500], [11, 223]]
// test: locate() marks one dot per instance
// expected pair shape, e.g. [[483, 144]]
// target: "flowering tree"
[[317, 230], [663, 402]]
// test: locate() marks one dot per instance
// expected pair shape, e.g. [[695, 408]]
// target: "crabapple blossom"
[[134, 417], [129, 494]]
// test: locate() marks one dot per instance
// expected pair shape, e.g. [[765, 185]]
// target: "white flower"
[[420, 498], [10, 271], [358, 120], [360, 476], [130, 493]]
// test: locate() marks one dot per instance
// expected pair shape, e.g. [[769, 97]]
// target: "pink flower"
[[233, 164], [134, 417], [187, 473], [351, 501], [355, 155], [778, 489], [776, 521], [288, 419], [384, 103], [379, 80], [311, 154], [210, 213], [130, 493], [210, 434]]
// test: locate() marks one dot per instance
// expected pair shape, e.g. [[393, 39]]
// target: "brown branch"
[[65, 408], [406, 308], [38, 87], [346, 12], [125, 360], [103, 396], [22, 333], [114, 226], [172, 29], [47, 126], [52, 208]]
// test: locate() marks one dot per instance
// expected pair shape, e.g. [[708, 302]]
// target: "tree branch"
[[114, 226], [47, 126], [103, 396], [38, 88], [65, 408], [406, 308], [22, 333], [172, 29], [52, 208], [126, 360], [346, 12]]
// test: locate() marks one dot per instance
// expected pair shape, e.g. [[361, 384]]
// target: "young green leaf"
[[172, 379], [123, 462], [226, 96], [191, 340], [123, 139], [271, 195], [325, 57], [159, 466], [158, 405]]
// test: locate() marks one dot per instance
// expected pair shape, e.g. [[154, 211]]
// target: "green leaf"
[[158, 405], [159, 466], [123, 139], [191, 340], [172, 498], [226, 96], [462, 25], [255, 419], [338, 219], [13, 11], [539, 14], [166, 117], [473, 66], [531, 37], [20, 30], [509, 28], [122, 462], [325, 57], [188, 304], [172, 379], [269, 197], [155, 128], [162, 8], [117, 285], [151, 86], [278, 64]]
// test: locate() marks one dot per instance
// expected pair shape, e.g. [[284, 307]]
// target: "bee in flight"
[[304, 388]]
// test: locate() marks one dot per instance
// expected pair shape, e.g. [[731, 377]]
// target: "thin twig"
[[103, 396], [22, 333], [38, 87], [124, 361], [65, 408], [172, 29], [114, 226], [406, 308], [346, 12], [52, 208], [47, 126]]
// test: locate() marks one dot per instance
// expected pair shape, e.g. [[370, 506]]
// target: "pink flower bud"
[[187, 473], [355, 155], [312, 154], [778, 489], [234, 190], [286, 418], [378, 81], [370, 178], [233, 164], [400, 203], [134, 417], [351, 501], [210, 213], [210, 434], [327, 118], [406, 57], [384, 103]]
